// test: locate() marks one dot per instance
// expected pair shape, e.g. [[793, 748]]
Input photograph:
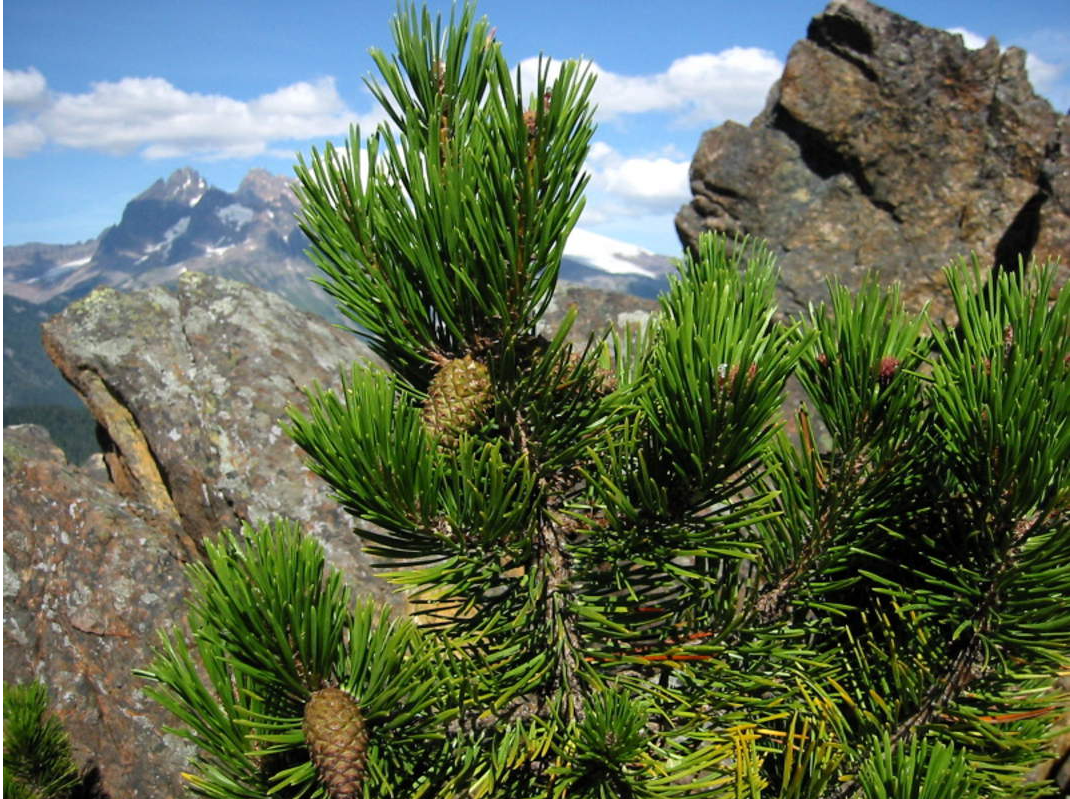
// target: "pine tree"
[[632, 577], [38, 763]]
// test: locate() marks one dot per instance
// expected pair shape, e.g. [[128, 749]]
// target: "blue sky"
[[101, 97]]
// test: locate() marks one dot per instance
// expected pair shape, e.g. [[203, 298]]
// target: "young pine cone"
[[336, 738], [457, 400]]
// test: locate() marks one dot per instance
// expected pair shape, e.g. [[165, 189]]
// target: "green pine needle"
[[632, 572], [37, 750]]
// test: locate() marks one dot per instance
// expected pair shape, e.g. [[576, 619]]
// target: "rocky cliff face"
[[89, 575], [886, 145]]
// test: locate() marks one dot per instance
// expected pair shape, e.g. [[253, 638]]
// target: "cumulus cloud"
[[974, 41], [631, 185], [24, 87], [152, 117], [22, 138], [703, 88], [1046, 76]]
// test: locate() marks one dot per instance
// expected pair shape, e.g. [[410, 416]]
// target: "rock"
[[191, 389], [97, 467], [30, 442], [594, 310], [89, 575], [888, 146]]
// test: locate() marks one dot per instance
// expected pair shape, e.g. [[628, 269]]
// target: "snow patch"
[[236, 215], [201, 186], [606, 254], [57, 271], [172, 233], [218, 250]]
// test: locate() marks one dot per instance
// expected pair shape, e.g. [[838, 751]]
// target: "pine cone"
[[457, 400], [335, 735]]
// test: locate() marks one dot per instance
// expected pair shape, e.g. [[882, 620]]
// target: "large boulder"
[[89, 575], [888, 146], [190, 389]]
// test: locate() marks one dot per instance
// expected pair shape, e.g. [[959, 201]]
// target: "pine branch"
[[554, 574], [628, 579], [38, 762]]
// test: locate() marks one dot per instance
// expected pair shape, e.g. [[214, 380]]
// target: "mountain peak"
[[184, 186], [266, 186]]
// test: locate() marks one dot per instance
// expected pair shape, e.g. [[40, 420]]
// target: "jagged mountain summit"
[[183, 223], [185, 218], [177, 225]]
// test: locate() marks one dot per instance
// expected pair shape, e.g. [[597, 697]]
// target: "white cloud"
[[973, 41], [641, 185], [24, 87], [154, 118], [732, 84], [704, 88], [1044, 75], [22, 138], [652, 182], [309, 99]]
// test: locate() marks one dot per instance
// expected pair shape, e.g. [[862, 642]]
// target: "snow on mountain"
[[177, 229], [252, 234], [236, 215], [606, 254]]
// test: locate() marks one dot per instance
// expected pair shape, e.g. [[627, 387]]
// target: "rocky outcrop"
[[892, 147], [190, 390], [594, 309], [89, 575]]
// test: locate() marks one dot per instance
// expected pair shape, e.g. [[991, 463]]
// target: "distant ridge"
[[251, 235]]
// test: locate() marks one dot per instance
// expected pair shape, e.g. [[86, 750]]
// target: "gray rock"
[[192, 388]]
